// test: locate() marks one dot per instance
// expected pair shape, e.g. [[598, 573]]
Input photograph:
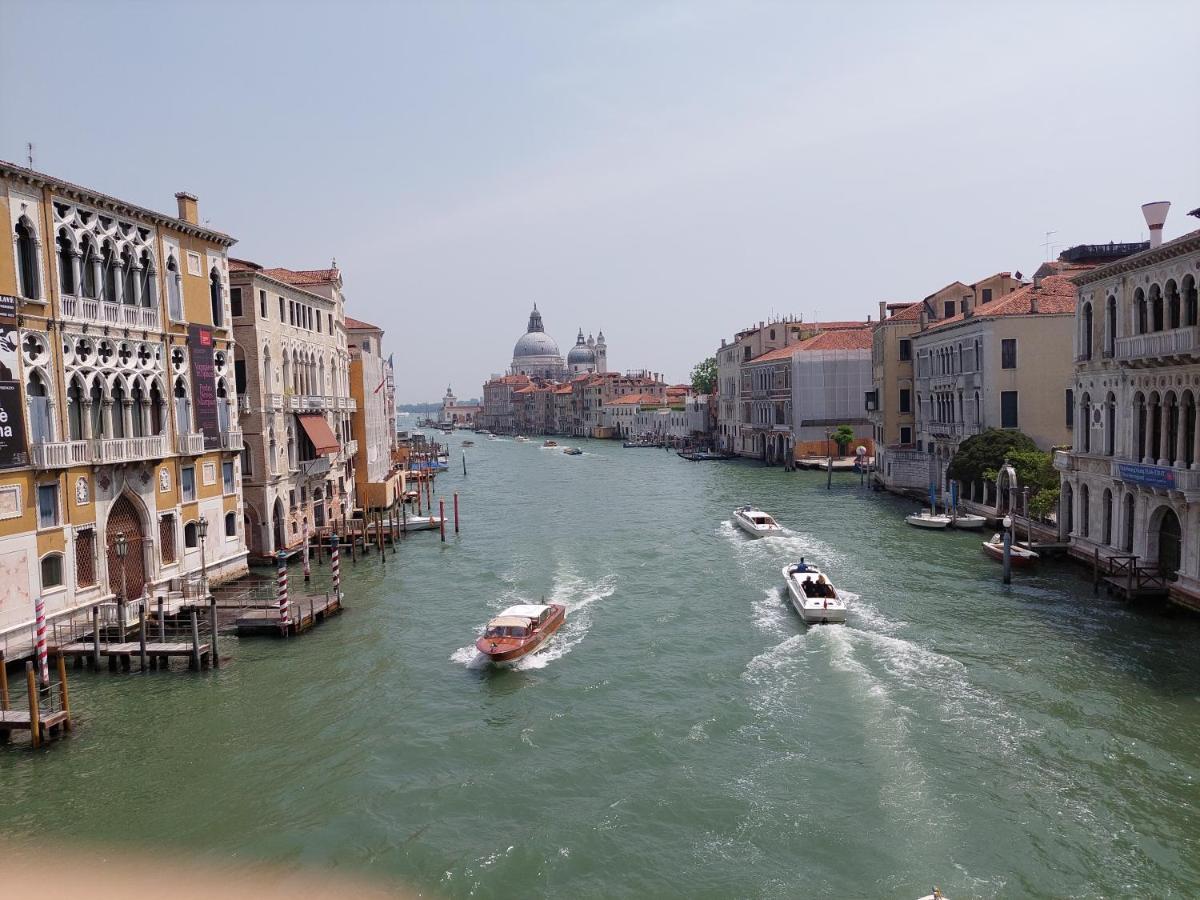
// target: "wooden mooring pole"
[[142, 635], [456, 512], [64, 695], [96, 637], [1095, 571], [212, 624], [442, 518], [195, 639], [35, 712]]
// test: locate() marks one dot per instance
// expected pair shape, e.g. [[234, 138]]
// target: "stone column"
[[1196, 441], [118, 282], [87, 420], [52, 416], [1180, 436], [127, 416], [76, 273], [98, 275], [106, 413], [137, 284]]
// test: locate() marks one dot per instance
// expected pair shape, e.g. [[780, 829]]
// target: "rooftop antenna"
[[29, 153], [1048, 244]]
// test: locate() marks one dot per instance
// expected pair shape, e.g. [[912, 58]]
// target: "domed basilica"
[[536, 354]]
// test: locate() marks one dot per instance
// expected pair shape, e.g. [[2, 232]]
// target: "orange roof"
[[910, 313], [637, 399], [565, 389], [774, 355], [856, 339], [360, 324], [303, 276], [1055, 296]]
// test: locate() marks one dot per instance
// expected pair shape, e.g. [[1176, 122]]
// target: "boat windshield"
[[762, 520], [499, 631]]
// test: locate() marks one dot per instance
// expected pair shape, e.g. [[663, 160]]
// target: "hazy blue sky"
[[667, 172]]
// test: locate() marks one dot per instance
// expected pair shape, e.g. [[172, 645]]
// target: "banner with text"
[[204, 384], [13, 450]]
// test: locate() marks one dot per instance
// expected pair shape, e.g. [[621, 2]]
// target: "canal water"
[[685, 734]]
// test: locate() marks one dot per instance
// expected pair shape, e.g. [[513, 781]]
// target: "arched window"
[[156, 409], [1191, 312], [1110, 326], [230, 525], [1110, 425], [1108, 515], [190, 539], [149, 281], [75, 397], [66, 263], [1067, 505], [129, 276], [118, 410], [138, 395], [1139, 304], [97, 409], [222, 405], [1085, 337], [1141, 415], [1085, 423], [108, 271], [52, 570], [1084, 509], [1173, 306], [174, 298], [214, 297], [40, 428], [1127, 521], [1156, 308], [183, 408], [28, 282]]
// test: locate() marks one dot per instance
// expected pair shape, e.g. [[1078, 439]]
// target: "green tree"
[[704, 376], [843, 438], [1035, 470], [985, 453]]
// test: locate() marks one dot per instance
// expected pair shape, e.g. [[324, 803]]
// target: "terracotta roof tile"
[[303, 276], [774, 355], [1055, 296], [910, 313], [856, 339], [360, 324]]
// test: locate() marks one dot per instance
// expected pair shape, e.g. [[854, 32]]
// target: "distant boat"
[[755, 522], [549, 443], [572, 451], [468, 443]]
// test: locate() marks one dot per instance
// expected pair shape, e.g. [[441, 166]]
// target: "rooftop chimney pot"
[[1156, 215], [188, 210]]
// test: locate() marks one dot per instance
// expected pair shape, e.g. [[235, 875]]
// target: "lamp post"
[[1007, 523], [202, 533]]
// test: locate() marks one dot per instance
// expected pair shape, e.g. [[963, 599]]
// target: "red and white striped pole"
[[40, 615], [335, 567], [307, 571], [282, 585]]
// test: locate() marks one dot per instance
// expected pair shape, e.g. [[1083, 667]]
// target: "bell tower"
[[601, 352]]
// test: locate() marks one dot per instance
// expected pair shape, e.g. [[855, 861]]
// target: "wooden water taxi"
[[1019, 555], [520, 630], [549, 443]]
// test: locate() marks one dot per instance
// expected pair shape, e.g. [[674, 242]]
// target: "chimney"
[[1033, 300], [968, 306], [882, 310], [188, 211], [1156, 214], [924, 317]]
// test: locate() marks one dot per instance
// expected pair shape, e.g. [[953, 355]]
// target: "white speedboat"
[[521, 439], [420, 523], [967, 520], [813, 595], [755, 522], [928, 518]]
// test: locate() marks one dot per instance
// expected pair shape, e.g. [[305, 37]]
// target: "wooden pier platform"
[[304, 613], [124, 653]]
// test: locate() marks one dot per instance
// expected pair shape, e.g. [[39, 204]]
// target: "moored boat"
[[572, 451], [1019, 555], [966, 520], [420, 523], [813, 595], [468, 443], [928, 518], [520, 630], [755, 522]]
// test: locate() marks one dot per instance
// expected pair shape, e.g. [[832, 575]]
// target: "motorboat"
[[572, 451], [549, 443], [813, 595], [468, 443], [928, 518], [755, 522], [420, 523], [521, 439], [1019, 555], [520, 630], [492, 437], [967, 520]]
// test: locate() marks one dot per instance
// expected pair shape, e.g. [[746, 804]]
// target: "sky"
[[667, 172]]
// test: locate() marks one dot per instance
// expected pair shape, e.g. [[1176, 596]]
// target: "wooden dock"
[[122, 654], [303, 613]]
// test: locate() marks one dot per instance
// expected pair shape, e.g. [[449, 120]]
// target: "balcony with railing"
[[1063, 461], [313, 468], [63, 454], [1159, 347], [349, 449], [348, 404], [231, 439], [117, 450], [275, 402], [191, 444], [103, 312], [1161, 478]]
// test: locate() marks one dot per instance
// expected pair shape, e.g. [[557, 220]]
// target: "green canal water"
[[685, 734]]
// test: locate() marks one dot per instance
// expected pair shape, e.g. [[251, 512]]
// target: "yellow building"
[[117, 403]]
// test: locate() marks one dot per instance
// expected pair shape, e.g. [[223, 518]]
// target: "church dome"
[[535, 343], [581, 354]]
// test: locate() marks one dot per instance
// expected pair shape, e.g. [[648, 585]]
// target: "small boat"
[[468, 443], [755, 522], [928, 518], [420, 523], [813, 596], [1018, 554], [572, 451], [967, 520], [520, 630], [549, 443], [492, 437], [521, 439]]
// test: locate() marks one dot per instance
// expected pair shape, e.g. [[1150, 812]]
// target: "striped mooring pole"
[[282, 585], [335, 567], [307, 571], [43, 665]]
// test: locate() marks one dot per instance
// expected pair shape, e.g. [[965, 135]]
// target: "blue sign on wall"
[[1151, 476]]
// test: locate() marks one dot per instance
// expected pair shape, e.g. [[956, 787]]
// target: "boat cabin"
[[517, 621]]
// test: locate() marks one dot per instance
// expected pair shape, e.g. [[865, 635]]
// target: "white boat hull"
[[421, 523], [755, 530], [813, 610], [968, 521], [925, 521]]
